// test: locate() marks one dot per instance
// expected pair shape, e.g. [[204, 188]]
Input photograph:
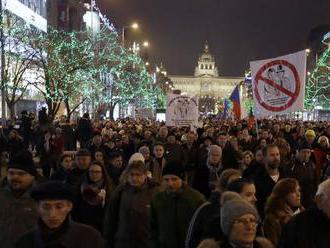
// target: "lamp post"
[[133, 26]]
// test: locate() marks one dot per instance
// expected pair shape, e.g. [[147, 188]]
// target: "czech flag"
[[234, 97]]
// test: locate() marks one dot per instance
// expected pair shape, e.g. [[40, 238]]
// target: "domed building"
[[206, 82]]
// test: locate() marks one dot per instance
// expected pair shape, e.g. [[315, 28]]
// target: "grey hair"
[[144, 149], [324, 188], [214, 148]]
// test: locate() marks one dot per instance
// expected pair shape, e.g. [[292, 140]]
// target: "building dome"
[[206, 56], [206, 64]]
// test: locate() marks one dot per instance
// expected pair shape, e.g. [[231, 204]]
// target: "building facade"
[[206, 83], [66, 15], [33, 14]]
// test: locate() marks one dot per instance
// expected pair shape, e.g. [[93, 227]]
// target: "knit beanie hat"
[[175, 169], [23, 161], [232, 211]]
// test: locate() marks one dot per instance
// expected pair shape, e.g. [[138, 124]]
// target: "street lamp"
[[133, 26], [146, 44]]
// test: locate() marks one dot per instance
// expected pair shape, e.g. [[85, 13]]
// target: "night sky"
[[237, 30]]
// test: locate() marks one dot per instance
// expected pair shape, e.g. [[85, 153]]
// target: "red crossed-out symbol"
[[293, 95]]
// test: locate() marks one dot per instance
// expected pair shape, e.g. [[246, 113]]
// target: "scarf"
[[89, 192]]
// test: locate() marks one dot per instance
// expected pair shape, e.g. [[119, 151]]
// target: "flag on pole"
[[234, 97], [225, 109]]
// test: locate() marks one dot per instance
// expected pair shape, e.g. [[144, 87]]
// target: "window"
[[202, 66]]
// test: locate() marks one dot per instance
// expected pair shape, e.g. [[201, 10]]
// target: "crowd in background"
[[137, 183]]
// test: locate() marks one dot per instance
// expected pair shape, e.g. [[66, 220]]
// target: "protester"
[[172, 209], [205, 222], [115, 168], [245, 188], [63, 169], [54, 202], [310, 228], [126, 223], [84, 131], [266, 179], [281, 206], [94, 194], [76, 176], [159, 162], [303, 169], [17, 210], [239, 221], [209, 172]]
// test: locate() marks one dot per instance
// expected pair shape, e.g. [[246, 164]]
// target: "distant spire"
[[206, 47]]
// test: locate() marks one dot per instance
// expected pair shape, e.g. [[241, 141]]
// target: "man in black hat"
[[17, 211], [55, 228], [303, 169], [172, 209]]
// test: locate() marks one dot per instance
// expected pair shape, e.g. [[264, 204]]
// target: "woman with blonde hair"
[[283, 203]]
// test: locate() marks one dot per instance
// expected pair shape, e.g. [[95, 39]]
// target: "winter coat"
[[170, 216], [84, 130], [264, 187], [157, 170], [274, 222], [259, 242], [310, 229], [126, 221], [306, 175], [205, 223], [18, 215], [252, 170], [70, 235], [115, 174], [90, 208], [202, 181], [75, 179], [60, 174], [230, 157]]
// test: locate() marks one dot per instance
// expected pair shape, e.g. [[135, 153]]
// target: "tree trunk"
[[112, 110], [11, 107], [53, 108], [68, 110]]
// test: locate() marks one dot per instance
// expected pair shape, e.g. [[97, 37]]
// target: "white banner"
[[181, 110], [278, 84]]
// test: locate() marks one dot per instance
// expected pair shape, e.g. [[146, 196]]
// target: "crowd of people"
[[139, 184]]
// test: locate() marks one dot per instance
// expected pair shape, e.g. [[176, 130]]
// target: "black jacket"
[[126, 221], [264, 187], [70, 235], [309, 229], [202, 180], [205, 223]]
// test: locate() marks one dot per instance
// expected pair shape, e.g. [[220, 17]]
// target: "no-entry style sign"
[[279, 84]]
